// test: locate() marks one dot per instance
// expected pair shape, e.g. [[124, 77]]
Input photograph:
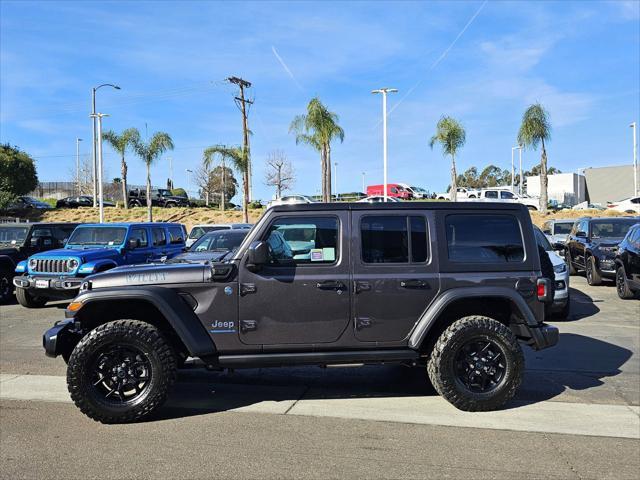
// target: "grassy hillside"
[[193, 216]]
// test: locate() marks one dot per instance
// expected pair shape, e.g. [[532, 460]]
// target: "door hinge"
[[362, 322], [246, 288]]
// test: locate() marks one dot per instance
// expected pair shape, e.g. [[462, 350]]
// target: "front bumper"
[[60, 339], [44, 283], [607, 267]]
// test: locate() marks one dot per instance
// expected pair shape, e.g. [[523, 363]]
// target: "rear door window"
[[484, 239], [159, 237], [393, 239]]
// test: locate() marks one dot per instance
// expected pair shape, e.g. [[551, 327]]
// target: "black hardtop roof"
[[33, 224], [612, 219], [394, 206]]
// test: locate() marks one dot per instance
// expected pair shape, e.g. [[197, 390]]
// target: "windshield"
[[542, 241], [98, 236], [618, 229], [13, 235], [224, 240], [562, 228], [197, 232]]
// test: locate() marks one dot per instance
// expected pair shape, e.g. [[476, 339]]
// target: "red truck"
[[393, 190]]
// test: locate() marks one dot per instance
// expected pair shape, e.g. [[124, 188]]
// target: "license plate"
[[42, 283]]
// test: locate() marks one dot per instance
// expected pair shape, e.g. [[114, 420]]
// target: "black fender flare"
[[181, 318], [430, 316]]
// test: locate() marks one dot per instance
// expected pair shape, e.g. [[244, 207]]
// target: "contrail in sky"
[[438, 60], [286, 69]]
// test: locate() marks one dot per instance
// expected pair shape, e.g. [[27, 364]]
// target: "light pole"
[[94, 142], [363, 175], [521, 177], [335, 179], [513, 172], [78, 140], [100, 194], [635, 159], [384, 92]]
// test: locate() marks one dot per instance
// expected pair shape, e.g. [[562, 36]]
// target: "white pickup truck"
[[503, 195], [463, 193]]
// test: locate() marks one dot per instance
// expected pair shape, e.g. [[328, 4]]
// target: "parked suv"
[[19, 240], [557, 230], [628, 264], [160, 197], [592, 246], [455, 288], [93, 248]]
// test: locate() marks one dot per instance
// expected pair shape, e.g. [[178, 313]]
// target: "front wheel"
[[476, 364], [567, 258], [622, 286], [593, 276], [6, 287], [121, 371], [26, 299]]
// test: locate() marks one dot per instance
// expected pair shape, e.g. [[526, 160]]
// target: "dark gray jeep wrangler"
[[453, 287]]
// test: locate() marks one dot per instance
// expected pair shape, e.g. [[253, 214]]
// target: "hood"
[[607, 241], [88, 254], [151, 274], [199, 256]]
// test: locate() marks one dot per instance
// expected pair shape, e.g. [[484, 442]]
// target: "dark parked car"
[[25, 203], [93, 248], [592, 246], [452, 287], [628, 264], [213, 246], [20, 240], [80, 201], [160, 197]]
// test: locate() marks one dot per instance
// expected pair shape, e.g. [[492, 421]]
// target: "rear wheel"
[[121, 371], [6, 287], [476, 364], [26, 299], [622, 286], [593, 276]]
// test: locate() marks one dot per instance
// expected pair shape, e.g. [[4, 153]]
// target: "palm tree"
[[451, 136], [318, 128], [149, 151], [535, 130], [238, 158], [120, 143]]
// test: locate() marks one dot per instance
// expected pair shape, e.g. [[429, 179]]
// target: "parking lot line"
[[546, 417]]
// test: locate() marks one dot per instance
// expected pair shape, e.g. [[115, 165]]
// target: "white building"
[[565, 188]]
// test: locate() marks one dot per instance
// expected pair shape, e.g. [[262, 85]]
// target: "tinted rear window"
[[484, 239]]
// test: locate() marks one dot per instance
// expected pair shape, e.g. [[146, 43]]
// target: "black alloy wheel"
[[480, 365], [622, 287], [6, 288]]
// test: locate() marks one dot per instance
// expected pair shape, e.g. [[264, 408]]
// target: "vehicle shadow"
[[582, 306], [576, 364]]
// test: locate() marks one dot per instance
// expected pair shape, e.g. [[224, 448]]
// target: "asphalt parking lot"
[[577, 415]]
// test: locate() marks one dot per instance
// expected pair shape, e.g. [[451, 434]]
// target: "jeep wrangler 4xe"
[[455, 288]]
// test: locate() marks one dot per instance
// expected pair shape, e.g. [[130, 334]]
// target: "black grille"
[[52, 266]]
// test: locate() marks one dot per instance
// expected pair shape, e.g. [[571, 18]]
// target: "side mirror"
[[257, 255], [558, 246], [37, 242], [546, 232]]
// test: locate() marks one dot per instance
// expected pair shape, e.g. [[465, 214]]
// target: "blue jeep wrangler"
[[93, 248]]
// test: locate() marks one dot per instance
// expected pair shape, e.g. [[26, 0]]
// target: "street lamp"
[[384, 92], [513, 172], [335, 179], [363, 175], [78, 140], [93, 119], [635, 159], [100, 195]]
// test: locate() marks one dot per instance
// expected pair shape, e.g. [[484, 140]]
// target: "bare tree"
[[202, 178], [85, 181], [280, 172]]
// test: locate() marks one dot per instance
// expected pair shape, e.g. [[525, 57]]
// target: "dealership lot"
[[580, 398]]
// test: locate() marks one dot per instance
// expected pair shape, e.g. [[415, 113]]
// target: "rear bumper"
[[63, 284], [539, 337]]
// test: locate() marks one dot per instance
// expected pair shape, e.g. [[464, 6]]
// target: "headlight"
[[33, 263], [561, 268], [73, 264]]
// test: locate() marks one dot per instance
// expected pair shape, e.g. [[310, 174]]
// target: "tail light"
[[542, 289]]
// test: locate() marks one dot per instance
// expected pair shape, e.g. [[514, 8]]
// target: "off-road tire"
[[622, 287], [133, 333], [6, 287], [591, 271], [440, 365], [29, 301], [567, 258]]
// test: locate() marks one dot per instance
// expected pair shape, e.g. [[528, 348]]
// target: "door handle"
[[330, 285], [360, 286], [414, 284]]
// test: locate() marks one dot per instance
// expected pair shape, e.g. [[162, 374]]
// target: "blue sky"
[[481, 62]]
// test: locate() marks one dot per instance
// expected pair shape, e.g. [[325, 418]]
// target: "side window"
[[583, 226], [385, 239], [139, 234], [62, 234], [484, 239], [303, 240], [491, 194], [159, 237], [176, 235], [508, 195]]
